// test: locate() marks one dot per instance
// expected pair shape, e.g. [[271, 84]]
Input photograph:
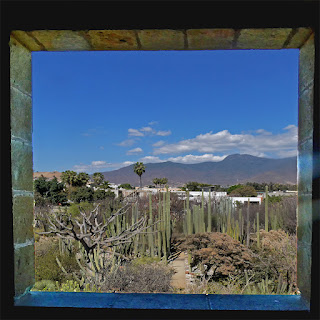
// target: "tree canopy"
[[160, 181], [126, 186], [244, 191], [51, 191], [195, 186], [98, 178], [139, 169]]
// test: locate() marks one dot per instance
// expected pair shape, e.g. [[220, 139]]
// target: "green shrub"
[[74, 208], [144, 260], [46, 266], [44, 285]]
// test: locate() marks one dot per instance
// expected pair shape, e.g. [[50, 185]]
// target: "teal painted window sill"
[[163, 301]]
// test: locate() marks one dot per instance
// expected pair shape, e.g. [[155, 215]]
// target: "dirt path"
[[179, 278]]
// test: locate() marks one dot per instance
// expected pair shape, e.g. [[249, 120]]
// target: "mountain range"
[[234, 169]]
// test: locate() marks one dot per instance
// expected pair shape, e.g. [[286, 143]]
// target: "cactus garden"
[[133, 243]]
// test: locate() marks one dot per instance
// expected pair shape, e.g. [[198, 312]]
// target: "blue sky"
[[99, 111]]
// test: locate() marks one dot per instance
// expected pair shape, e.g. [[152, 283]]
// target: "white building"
[[246, 199]]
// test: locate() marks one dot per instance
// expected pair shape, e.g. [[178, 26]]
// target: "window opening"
[[185, 142]]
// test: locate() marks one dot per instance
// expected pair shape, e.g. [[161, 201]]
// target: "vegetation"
[[195, 186], [160, 181], [126, 186], [98, 178], [139, 169], [243, 191], [100, 243], [49, 191]]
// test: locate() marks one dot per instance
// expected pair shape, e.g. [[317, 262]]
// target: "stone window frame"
[[22, 43]]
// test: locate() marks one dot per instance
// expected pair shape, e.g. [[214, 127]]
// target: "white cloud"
[[163, 133], [135, 132], [98, 163], [287, 154], [190, 158], [158, 144], [152, 123], [127, 143], [96, 166], [151, 159], [134, 151], [146, 129], [225, 142], [262, 131]]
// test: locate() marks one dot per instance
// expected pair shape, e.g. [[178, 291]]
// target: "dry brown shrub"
[[276, 255], [218, 253]]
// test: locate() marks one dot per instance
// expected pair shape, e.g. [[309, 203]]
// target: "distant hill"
[[233, 169], [48, 175]]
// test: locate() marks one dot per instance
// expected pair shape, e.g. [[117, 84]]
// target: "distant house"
[[257, 200]]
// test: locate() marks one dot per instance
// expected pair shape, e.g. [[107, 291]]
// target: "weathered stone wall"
[[21, 45], [305, 165], [22, 166]]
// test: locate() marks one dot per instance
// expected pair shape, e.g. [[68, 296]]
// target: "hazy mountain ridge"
[[233, 169]]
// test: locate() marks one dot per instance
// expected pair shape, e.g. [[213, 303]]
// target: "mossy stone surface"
[[161, 39], [22, 166], [21, 114], [210, 38], [24, 272], [20, 66], [22, 219]]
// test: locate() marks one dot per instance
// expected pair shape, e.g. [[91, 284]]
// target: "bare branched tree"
[[90, 231]]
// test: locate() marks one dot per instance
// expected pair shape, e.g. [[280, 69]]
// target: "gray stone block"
[[20, 66], [21, 114], [22, 166]]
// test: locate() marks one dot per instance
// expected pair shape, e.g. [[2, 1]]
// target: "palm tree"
[[139, 169], [70, 179], [82, 179], [98, 178]]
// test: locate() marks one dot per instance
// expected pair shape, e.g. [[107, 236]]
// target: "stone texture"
[[304, 228], [299, 38], [26, 40], [111, 39], [22, 166], [22, 219], [161, 39], [20, 66], [305, 166], [210, 39], [306, 65], [305, 117], [270, 38], [304, 269], [24, 272], [21, 114], [61, 40]]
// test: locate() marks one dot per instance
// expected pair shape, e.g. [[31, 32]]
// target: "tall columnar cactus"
[[248, 223], [203, 228], [266, 211], [189, 217], [258, 230], [209, 229], [151, 235]]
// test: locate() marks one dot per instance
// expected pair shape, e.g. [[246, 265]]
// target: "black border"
[[83, 15]]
